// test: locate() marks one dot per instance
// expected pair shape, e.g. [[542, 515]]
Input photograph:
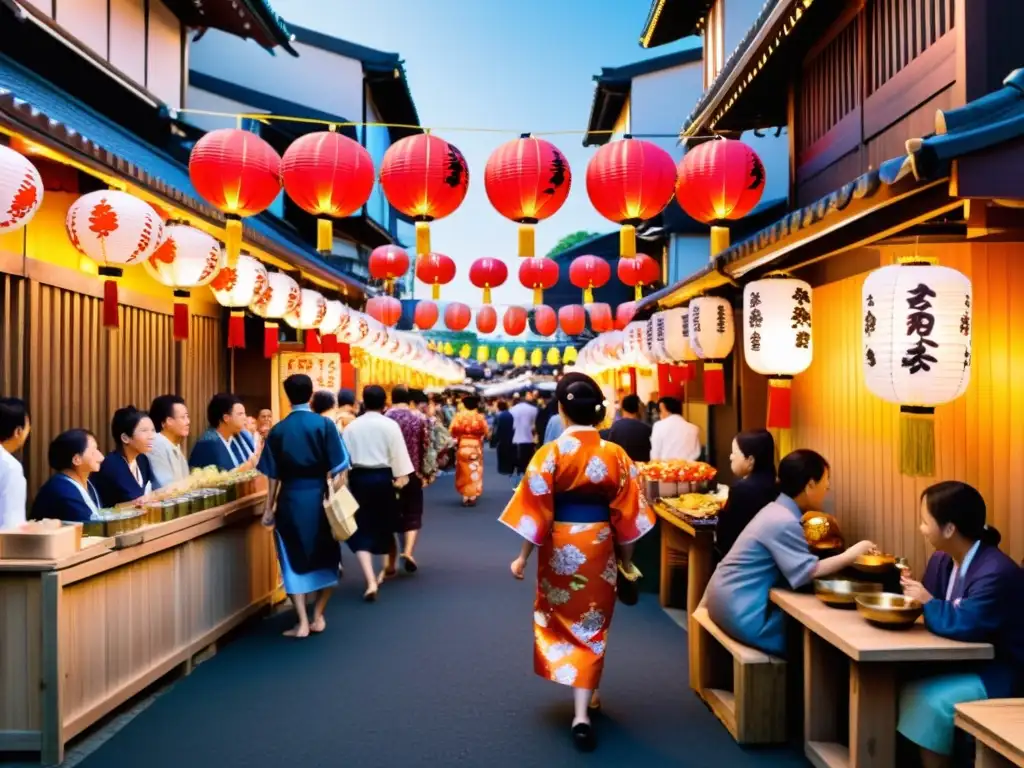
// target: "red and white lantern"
[[280, 299], [187, 258], [236, 288], [712, 334], [21, 190]]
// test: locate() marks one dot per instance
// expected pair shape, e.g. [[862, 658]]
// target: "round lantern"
[[514, 321], [486, 319], [186, 258], [545, 321], [308, 316], [572, 319], [436, 270], [917, 325], [236, 288], [115, 230], [600, 317], [712, 335], [552, 357], [238, 173], [519, 357], [630, 181], [457, 316], [624, 315], [483, 354], [501, 357], [638, 271], [388, 263], [356, 330], [719, 180], [777, 338], [539, 274], [328, 175], [425, 315], [570, 355], [21, 190], [280, 298], [426, 178], [671, 330], [588, 273], [537, 358], [329, 327], [488, 273], [527, 180], [385, 309]]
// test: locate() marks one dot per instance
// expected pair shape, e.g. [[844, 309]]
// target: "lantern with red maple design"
[[425, 315], [21, 190], [328, 175], [539, 274], [630, 181], [573, 319], [425, 178], [488, 273], [624, 315], [388, 263], [486, 319], [638, 271], [600, 317], [238, 173], [115, 230], [527, 180], [457, 316], [545, 321], [588, 273], [385, 309], [186, 258], [514, 321], [436, 270], [236, 288], [280, 298]]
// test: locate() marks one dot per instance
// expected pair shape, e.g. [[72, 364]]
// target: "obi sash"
[[581, 508]]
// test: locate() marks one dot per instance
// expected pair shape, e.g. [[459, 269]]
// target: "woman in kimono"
[[301, 452], [580, 503], [68, 495], [970, 591], [753, 464], [125, 475], [469, 428]]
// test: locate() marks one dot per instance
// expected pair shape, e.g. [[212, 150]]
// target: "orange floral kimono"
[[469, 428], [580, 497]]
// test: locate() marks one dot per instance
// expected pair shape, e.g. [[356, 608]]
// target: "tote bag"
[[340, 508]]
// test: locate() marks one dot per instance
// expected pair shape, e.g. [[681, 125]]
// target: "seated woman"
[[772, 551], [68, 495], [753, 463], [125, 475], [970, 591]]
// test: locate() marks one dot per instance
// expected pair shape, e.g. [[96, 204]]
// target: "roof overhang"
[[248, 19], [671, 20]]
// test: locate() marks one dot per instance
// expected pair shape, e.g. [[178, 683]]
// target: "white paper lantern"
[[672, 335], [21, 190], [712, 335], [236, 287], [654, 342], [917, 349], [186, 258], [355, 329], [281, 297], [310, 312], [332, 317]]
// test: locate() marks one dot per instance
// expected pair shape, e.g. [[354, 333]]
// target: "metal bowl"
[[874, 563], [889, 610], [842, 593]]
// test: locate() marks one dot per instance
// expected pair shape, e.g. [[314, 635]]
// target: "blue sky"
[[518, 66]]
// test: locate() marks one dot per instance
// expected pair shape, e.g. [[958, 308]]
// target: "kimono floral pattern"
[[576, 564], [469, 428]]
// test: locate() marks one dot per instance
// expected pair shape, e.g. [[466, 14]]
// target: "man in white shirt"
[[170, 415], [14, 429], [524, 418], [672, 436]]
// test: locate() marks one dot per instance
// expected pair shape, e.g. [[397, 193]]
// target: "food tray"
[[52, 544]]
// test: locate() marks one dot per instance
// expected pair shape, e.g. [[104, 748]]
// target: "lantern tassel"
[[688, 371], [324, 235], [269, 339], [435, 291], [638, 291], [714, 384], [233, 239], [313, 342], [330, 343], [181, 315], [780, 399], [588, 295], [917, 441], [236, 330], [538, 296], [627, 241], [110, 302], [527, 241], [346, 353], [422, 237], [719, 240], [487, 294]]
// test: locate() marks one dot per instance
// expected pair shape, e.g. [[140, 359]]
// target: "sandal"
[[583, 737], [386, 575], [370, 596], [410, 564]]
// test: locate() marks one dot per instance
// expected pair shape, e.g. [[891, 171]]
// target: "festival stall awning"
[[671, 20], [248, 19]]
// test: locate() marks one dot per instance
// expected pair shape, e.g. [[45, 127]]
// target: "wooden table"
[[834, 638], [997, 726], [678, 535]]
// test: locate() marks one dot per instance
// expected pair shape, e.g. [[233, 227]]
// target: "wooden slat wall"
[[899, 31], [980, 436], [830, 87], [13, 303], [202, 370]]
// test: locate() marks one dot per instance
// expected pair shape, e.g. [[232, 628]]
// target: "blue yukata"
[[770, 552], [979, 601], [300, 452], [116, 482], [224, 454], [63, 498]]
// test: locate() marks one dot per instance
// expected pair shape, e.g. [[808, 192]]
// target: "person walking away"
[[753, 463], [501, 440], [346, 408], [524, 419], [469, 428], [410, 497], [672, 436], [653, 409], [170, 417], [630, 432], [302, 455], [15, 427], [441, 446], [555, 427], [380, 468], [582, 505]]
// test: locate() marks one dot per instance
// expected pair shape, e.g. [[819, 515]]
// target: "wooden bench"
[[752, 704], [997, 726]]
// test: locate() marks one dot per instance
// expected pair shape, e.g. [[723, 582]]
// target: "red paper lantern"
[[488, 273], [514, 321], [426, 178], [384, 309], [630, 181], [527, 180], [486, 319], [425, 315], [588, 273], [638, 271], [457, 316], [238, 173], [436, 270], [719, 180], [545, 321], [600, 317], [327, 175], [624, 315], [573, 319], [388, 263], [538, 274]]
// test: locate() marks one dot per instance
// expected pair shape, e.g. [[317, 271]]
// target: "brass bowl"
[[889, 610], [874, 563], [842, 593]]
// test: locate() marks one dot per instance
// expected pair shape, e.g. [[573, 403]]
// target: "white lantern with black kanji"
[[670, 340], [777, 338], [712, 335], [917, 349]]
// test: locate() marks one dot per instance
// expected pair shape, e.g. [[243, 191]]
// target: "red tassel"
[[714, 384], [780, 403], [687, 371], [236, 330], [269, 340], [348, 375], [669, 382], [181, 316], [632, 381], [110, 314], [313, 343], [346, 353], [329, 342]]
